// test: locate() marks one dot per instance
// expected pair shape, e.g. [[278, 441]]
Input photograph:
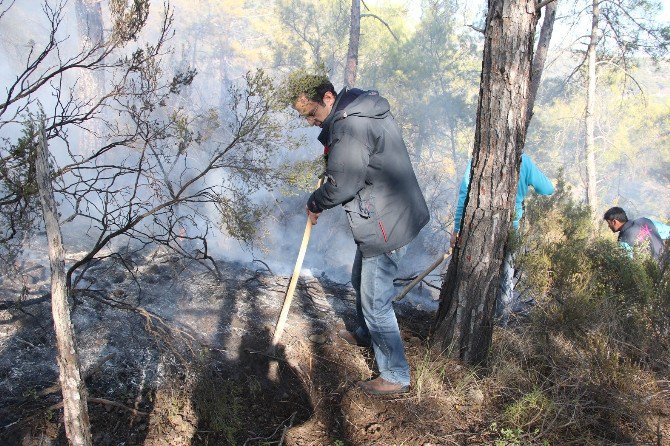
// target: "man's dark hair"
[[312, 86], [616, 213], [321, 90]]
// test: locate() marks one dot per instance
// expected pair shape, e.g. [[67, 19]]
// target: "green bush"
[[597, 342]]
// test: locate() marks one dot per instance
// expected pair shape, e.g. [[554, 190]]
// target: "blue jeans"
[[372, 278], [506, 296]]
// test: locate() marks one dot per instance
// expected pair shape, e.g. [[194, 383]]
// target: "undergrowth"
[[591, 364]]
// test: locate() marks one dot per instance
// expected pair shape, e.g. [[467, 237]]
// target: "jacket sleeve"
[[662, 228], [348, 160], [626, 248], [537, 179], [462, 194]]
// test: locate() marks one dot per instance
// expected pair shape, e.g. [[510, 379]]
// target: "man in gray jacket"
[[369, 173], [640, 234]]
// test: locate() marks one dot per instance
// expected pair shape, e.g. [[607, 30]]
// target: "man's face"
[[614, 225], [314, 112]]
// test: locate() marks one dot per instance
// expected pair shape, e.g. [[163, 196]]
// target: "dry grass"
[[589, 367]]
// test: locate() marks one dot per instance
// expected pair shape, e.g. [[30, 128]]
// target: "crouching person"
[[640, 233]]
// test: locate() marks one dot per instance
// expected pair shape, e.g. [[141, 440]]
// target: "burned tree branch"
[[9, 304], [90, 372], [105, 402], [479, 30]]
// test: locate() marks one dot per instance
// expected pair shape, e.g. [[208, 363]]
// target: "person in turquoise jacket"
[[529, 175]]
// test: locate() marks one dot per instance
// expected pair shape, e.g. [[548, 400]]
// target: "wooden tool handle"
[[420, 277], [279, 328]]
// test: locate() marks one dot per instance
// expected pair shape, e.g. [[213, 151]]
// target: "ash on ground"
[[175, 353]]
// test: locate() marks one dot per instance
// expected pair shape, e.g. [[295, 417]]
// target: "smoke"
[[331, 249], [222, 45]]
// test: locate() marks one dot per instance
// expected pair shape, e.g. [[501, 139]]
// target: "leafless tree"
[[351, 65], [621, 33], [540, 56], [77, 426], [152, 156], [160, 172]]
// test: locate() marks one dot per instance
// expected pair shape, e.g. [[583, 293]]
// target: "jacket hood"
[[354, 102]]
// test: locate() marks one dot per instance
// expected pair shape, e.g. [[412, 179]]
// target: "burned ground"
[[176, 356]]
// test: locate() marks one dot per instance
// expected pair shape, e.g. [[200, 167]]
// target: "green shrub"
[[528, 410], [597, 341]]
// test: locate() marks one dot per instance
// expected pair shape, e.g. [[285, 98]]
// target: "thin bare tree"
[[161, 174], [540, 57], [621, 33], [77, 426], [591, 179], [351, 65]]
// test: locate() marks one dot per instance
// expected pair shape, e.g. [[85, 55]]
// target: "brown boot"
[[379, 386], [351, 338]]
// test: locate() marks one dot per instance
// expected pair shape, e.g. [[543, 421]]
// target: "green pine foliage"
[[301, 82], [18, 184]]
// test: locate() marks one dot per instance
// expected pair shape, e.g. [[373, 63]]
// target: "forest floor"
[[174, 356]]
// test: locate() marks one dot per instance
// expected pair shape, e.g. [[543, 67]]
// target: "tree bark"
[[541, 56], [464, 323], [351, 65], [591, 198], [77, 427]]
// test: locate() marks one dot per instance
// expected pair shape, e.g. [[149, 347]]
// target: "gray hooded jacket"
[[369, 172]]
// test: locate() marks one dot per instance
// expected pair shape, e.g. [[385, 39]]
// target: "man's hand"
[[313, 217], [454, 239]]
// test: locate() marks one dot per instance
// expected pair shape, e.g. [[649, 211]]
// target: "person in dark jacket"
[[640, 233], [369, 173]]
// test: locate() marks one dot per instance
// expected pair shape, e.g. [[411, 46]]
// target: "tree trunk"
[[464, 323], [541, 56], [91, 83], [591, 199], [89, 20], [77, 426], [351, 65]]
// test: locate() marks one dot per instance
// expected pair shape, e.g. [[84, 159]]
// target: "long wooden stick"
[[420, 277], [279, 328]]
